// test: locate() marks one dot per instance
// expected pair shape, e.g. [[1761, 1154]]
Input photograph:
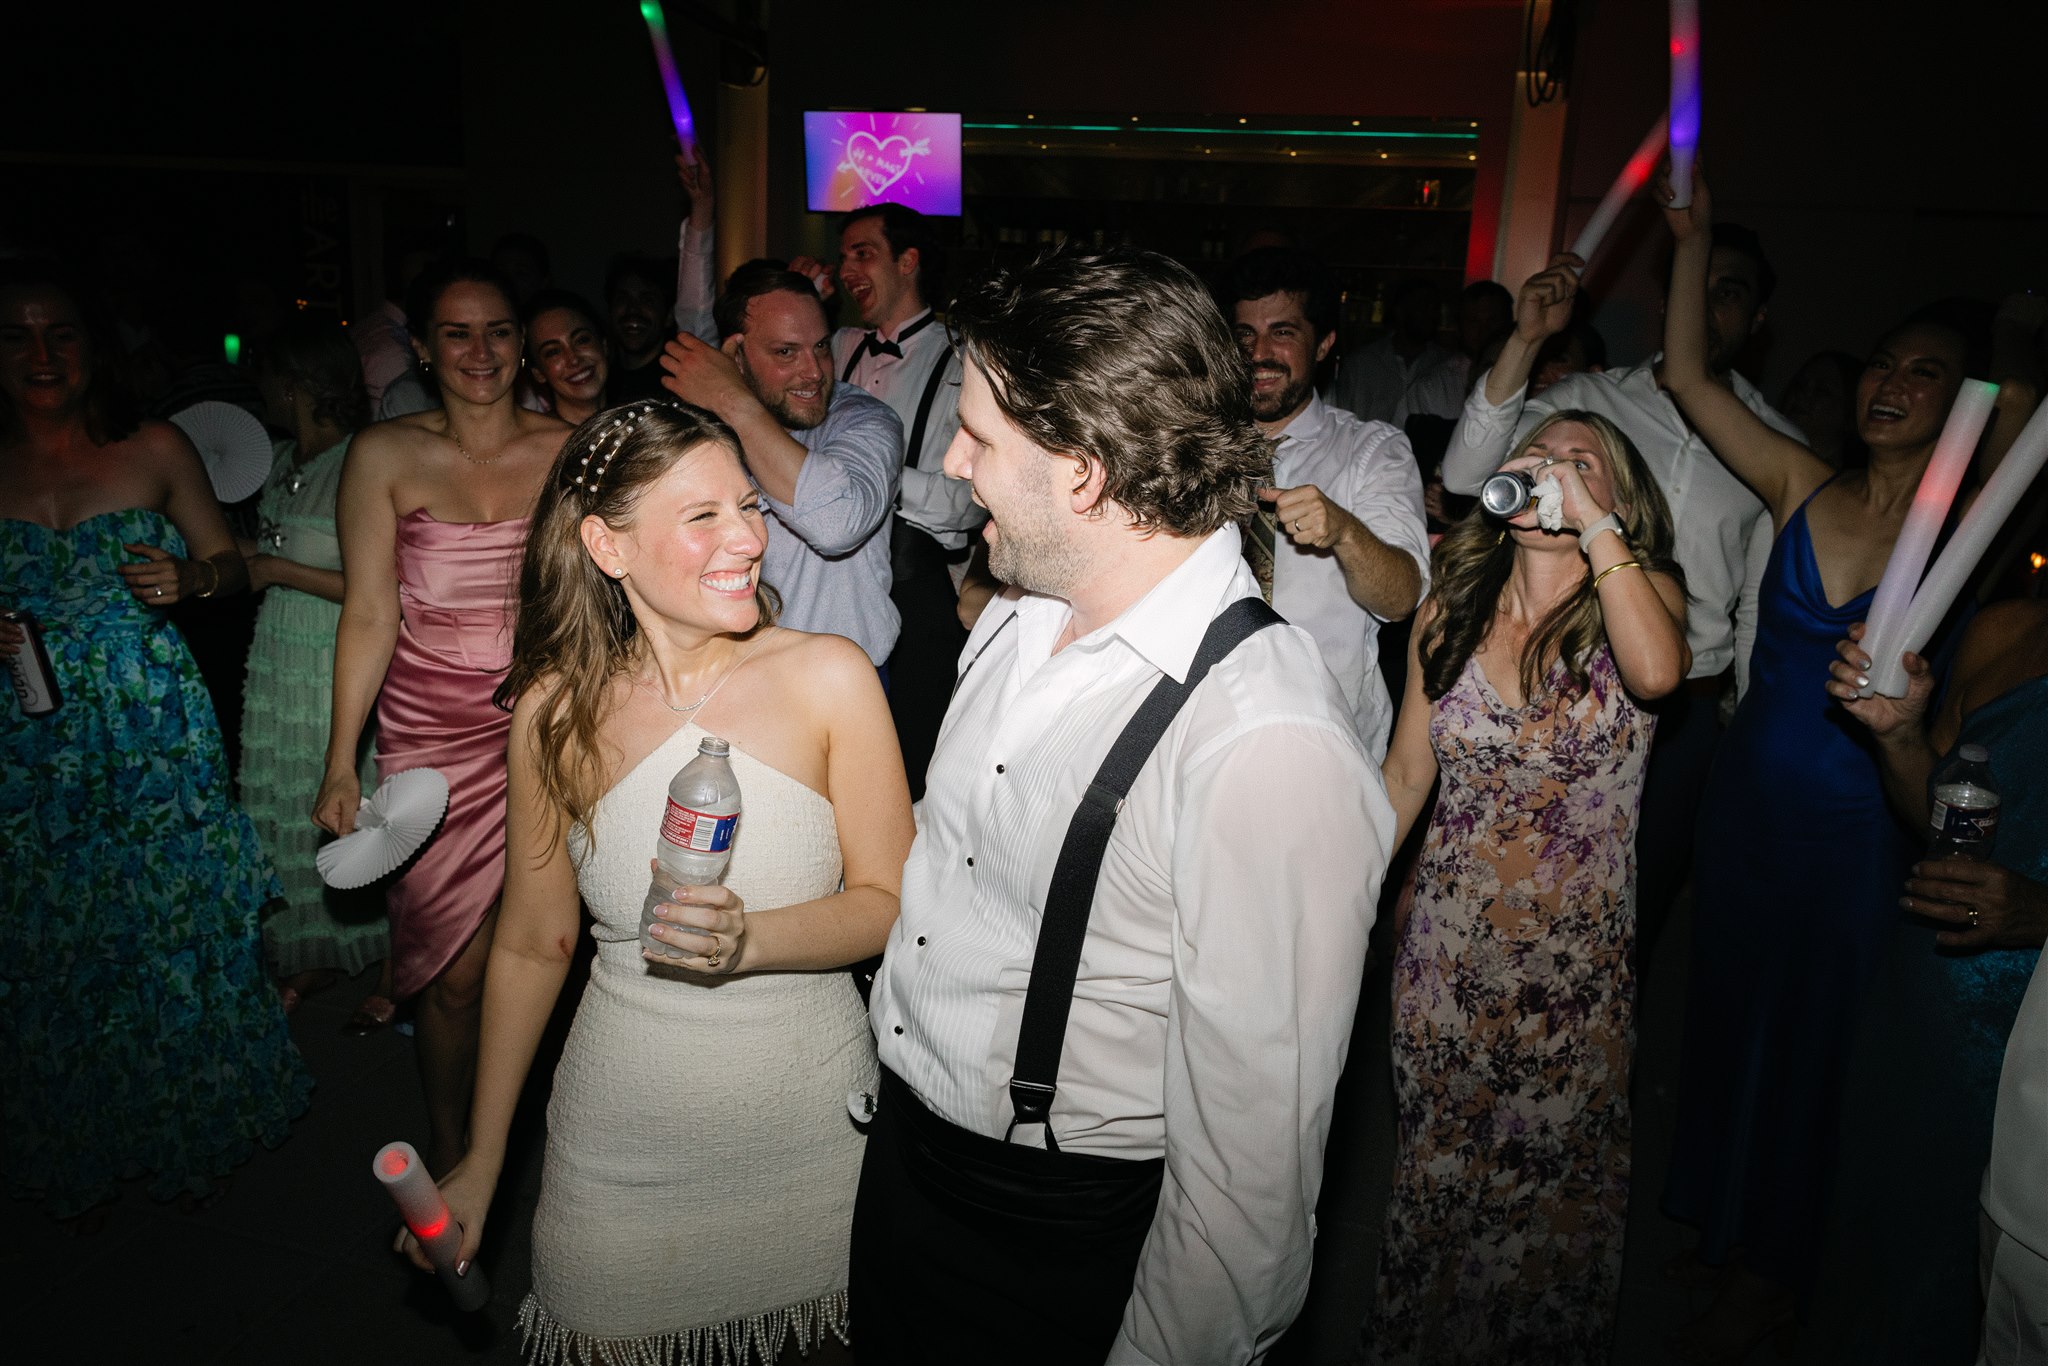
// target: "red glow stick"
[[419, 1202], [1633, 177]]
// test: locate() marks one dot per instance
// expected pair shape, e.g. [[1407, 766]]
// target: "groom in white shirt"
[[1117, 1001]]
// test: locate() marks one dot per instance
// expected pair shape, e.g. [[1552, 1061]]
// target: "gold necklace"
[[463, 450]]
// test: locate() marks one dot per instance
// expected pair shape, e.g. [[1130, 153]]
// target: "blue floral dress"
[[139, 1034], [1514, 1030]]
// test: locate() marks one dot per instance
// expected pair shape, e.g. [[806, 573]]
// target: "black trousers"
[[966, 1249], [927, 654]]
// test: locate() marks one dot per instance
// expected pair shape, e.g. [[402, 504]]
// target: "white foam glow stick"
[[1685, 97], [1995, 502], [419, 1202], [1634, 175]]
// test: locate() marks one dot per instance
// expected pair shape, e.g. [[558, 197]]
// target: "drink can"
[[35, 682]]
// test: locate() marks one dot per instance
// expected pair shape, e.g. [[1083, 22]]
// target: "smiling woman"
[[432, 517], [567, 355], [641, 603]]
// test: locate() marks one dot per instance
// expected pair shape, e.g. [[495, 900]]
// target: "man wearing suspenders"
[[1115, 1006]]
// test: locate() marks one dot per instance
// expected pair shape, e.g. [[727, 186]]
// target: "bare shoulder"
[[814, 660], [390, 441], [163, 445], [542, 431]]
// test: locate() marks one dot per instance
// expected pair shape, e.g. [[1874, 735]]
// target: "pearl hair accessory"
[[606, 443]]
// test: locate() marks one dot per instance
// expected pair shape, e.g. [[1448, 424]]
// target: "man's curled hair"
[[1122, 357]]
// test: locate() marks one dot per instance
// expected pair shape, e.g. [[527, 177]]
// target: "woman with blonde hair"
[[1513, 985], [697, 1194]]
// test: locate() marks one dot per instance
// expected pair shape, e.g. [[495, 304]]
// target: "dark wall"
[[1889, 155]]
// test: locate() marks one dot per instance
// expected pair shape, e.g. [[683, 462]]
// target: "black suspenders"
[[1042, 1036]]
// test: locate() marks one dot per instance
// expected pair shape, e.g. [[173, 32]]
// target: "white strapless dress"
[[697, 1196]]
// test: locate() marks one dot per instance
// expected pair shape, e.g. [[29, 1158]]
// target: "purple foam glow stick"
[[1898, 589], [1634, 175], [404, 1176], [1685, 97], [671, 83]]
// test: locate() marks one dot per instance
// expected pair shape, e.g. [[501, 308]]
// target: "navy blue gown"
[[1900, 1283], [1795, 884]]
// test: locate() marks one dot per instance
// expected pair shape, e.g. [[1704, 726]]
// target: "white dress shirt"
[[1376, 384], [2016, 1183], [1368, 469], [931, 500], [1224, 952], [1714, 516]]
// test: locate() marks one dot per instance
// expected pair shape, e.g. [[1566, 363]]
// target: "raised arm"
[[531, 949], [1495, 406], [1780, 470], [847, 485], [366, 522], [696, 261]]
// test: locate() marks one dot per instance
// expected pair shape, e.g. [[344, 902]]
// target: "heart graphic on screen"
[[881, 162]]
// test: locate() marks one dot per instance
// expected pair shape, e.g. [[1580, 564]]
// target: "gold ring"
[[1973, 917], [712, 961]]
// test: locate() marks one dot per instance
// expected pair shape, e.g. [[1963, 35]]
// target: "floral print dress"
[[1513, 1032], [139, 1035]]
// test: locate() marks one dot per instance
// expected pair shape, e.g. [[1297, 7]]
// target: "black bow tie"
[[873, 345]]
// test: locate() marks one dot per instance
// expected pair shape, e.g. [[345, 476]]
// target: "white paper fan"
[[391, 824], [236, 449]]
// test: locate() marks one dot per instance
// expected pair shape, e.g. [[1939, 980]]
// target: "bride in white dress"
[[697, 1192]]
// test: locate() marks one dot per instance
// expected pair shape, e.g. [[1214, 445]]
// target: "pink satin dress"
[[456, 586]]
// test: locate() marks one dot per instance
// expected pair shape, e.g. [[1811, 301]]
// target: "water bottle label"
[[1964, 824], [698, 831]]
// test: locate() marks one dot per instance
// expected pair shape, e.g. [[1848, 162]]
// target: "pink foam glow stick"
[[2001, 493], [671, 83], [1685, 97], [398, 1167], [1634, 175], [1897, 589]]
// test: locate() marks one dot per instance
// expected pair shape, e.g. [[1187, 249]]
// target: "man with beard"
[[1723, 530], [825, 456], [1114, 1008], [1342, 542]]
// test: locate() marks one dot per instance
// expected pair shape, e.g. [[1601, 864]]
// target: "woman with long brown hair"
[[1513, 982], [432, 515], [701, 1162]]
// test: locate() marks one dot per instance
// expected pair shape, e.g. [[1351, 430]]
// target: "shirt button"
[[899, 1029], [999, 768], [970, 860], [920, 941]]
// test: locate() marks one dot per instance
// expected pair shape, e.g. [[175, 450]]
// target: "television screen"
[[855, 159]]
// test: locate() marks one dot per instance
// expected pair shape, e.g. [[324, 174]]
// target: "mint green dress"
[[285, 715], [138, 1034]]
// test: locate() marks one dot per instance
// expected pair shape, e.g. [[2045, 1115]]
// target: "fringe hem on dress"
[[736, 1342]]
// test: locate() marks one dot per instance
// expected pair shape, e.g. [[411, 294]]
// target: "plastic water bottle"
[[696, 833], [1965, 816]]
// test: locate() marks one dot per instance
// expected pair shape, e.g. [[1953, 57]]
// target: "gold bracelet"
[[1624, 564], [210, 587]]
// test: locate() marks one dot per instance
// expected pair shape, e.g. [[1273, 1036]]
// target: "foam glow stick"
[[1634, 175], [671, 83], [2001, 493], [419, 1201], [1896, 590], [1685, 97]]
